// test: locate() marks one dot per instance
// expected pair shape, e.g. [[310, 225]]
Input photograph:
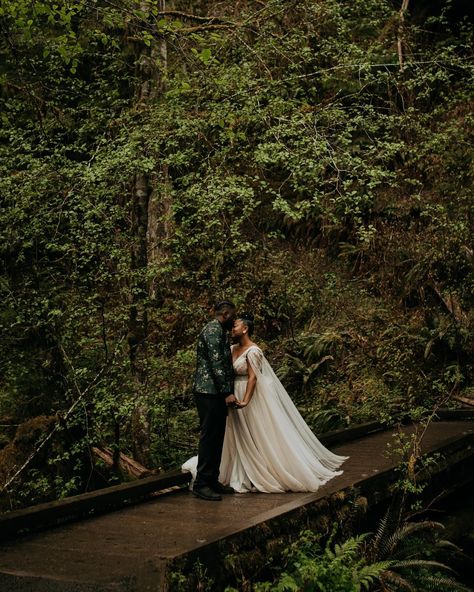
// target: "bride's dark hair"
[[247, 319]]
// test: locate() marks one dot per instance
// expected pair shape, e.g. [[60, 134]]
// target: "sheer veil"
[[269, 383]]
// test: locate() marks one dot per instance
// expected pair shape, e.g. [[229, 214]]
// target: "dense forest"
[[309, 160]]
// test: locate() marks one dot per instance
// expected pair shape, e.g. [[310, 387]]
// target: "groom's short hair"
[[224, 305]]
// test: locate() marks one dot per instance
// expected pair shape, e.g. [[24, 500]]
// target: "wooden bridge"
[[79, 545]]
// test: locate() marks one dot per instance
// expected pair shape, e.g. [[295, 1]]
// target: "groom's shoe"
[[220, 488], [206, 493]]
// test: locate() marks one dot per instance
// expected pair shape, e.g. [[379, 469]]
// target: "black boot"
[[221, 488], [206, 493]]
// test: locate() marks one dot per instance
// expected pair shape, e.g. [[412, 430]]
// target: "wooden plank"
[[379, 482], [94, 502], [455, 414], [340, 436], [111, 498], [353, 433]]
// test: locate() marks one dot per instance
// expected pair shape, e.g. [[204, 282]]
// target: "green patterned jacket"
[[214, 372]]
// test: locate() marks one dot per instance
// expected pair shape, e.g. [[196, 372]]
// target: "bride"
[[268, 447]]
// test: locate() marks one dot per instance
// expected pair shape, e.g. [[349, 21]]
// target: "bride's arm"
[[251, 382]]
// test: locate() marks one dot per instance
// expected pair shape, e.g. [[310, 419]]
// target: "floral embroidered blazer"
[[214, 373]]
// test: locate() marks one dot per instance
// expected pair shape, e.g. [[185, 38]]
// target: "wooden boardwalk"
[[127, 549]]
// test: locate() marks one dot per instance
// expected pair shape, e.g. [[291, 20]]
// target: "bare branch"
[[193, 17], [207, 27]]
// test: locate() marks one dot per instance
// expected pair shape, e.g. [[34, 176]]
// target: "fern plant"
[[332, 568], [401, 556], [409, 550], [313, 352]]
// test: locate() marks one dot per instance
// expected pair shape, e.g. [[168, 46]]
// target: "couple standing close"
[[252, 437]]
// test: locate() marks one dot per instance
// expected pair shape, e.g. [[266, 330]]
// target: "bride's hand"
[[242, 403]]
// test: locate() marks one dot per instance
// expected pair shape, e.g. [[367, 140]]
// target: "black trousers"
[[212, 411]]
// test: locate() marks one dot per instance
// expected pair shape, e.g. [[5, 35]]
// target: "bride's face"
[[239, 329]]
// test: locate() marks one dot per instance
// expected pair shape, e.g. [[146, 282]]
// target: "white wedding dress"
[[268, 446]]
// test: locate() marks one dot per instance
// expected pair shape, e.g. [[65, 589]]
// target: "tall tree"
[[149, 198]]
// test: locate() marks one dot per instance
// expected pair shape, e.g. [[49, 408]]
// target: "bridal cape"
[[268, 446]]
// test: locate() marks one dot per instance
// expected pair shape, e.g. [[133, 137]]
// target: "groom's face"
[[228, 318]]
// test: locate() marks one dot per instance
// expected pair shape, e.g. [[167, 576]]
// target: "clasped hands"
[[232, 402]]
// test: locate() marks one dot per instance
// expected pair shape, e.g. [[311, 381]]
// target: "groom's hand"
[[230, 400]]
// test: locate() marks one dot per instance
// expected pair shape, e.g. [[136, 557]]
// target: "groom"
[[213, 389]]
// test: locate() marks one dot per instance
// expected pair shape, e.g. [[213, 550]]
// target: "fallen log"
[[464, 400], [127, 464]]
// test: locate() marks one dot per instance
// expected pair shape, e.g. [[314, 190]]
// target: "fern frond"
[[390, 577], [444, 544], [443, 584], [350, 546], [427, 563], [399, 539], [410, 528], [367, 574], [380, 535]]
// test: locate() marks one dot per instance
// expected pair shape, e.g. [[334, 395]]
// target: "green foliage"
[[412, 467], [289, 163]]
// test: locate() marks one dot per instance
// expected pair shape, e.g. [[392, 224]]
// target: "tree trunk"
[[138, 321], [401, 33], [146, 201], [159, 205]]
